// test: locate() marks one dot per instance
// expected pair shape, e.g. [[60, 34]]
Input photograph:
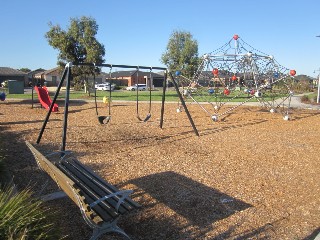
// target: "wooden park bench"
[[101, 204]]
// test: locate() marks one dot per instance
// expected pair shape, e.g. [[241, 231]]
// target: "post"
[[32, 86], [164, 85], [184, 105], [51, 106], [318, 96], [66, 108]]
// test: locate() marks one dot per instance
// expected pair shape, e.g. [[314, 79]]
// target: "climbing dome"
[[238, 73]]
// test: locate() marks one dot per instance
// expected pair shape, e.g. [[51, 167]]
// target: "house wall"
[[52, 80], [158, 81], [134, 80]]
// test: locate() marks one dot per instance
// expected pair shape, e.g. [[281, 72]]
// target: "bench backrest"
[[84, 187], [63, 181]]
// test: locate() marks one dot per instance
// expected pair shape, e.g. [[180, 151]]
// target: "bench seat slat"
[[105, 184], [95, 187], [95, 181], [98, 210], [90, 195]]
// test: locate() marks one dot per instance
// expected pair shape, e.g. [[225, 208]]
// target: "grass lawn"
[[156, 95]]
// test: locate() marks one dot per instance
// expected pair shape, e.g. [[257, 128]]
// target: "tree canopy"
[[77, 44], [25, 70], [181, 53]]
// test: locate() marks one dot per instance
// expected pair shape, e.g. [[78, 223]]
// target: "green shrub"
[[305, 99], [22, 217]]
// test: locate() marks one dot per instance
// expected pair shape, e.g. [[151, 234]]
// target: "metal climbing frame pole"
[[184, 105], [52, 104]]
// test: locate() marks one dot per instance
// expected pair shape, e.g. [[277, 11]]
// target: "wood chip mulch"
[[250, 175]]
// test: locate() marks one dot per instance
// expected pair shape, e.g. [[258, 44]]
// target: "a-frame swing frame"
[[67, 75]]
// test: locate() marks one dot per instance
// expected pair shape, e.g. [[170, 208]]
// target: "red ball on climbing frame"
[[215, 71], [293, 72], [235, 37], [234, 78]]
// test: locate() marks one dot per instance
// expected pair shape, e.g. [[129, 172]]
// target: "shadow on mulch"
[[26, 122], [306, 115], [9, 144], [209, 131], [200, 205], [313, 235]]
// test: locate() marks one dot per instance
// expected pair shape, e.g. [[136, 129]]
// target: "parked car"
[[104, 86], [140, 87]]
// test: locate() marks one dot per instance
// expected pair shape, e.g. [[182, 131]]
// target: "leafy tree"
[[181, 53], [78, 44], [25, 70]]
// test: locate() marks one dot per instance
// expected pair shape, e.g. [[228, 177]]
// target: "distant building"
[[7, 73], [32, 81], [51, 77], [129, 78]]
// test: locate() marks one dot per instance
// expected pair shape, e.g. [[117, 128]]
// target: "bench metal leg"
[[105, 227], [108, 228]]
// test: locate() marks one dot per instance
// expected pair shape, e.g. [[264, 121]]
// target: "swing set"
[[107, 99], [67, 76]]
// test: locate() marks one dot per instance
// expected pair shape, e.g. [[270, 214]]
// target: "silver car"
[[140, 87], [105, 86]]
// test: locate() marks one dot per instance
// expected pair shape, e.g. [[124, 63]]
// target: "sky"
[[136, 32]]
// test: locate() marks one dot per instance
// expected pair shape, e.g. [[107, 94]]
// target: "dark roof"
[[6, 71], [46, 72]]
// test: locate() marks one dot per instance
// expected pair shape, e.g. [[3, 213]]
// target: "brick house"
[[129, 78], [52, 77]]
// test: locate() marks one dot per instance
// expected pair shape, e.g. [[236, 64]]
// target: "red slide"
[[45, 99]]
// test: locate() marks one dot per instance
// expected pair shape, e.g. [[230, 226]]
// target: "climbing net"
[[238, 73]]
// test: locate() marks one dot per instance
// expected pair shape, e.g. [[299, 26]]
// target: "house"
[[7, 73], [31, 76], [129, 78], [51, 77]]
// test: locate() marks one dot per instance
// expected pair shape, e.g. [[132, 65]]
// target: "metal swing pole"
[[110, 85], [52, 104], [163, 98], [95, 92], [66, 107], [184, 105], [32, 99], [150, 96], [137, 95]]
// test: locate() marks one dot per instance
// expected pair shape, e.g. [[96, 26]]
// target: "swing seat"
[[104, 119], [147, 117]]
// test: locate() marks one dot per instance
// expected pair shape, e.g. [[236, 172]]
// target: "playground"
[[249, 176]]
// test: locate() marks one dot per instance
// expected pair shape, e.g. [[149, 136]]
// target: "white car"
[[104, 86], [140, 87]]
